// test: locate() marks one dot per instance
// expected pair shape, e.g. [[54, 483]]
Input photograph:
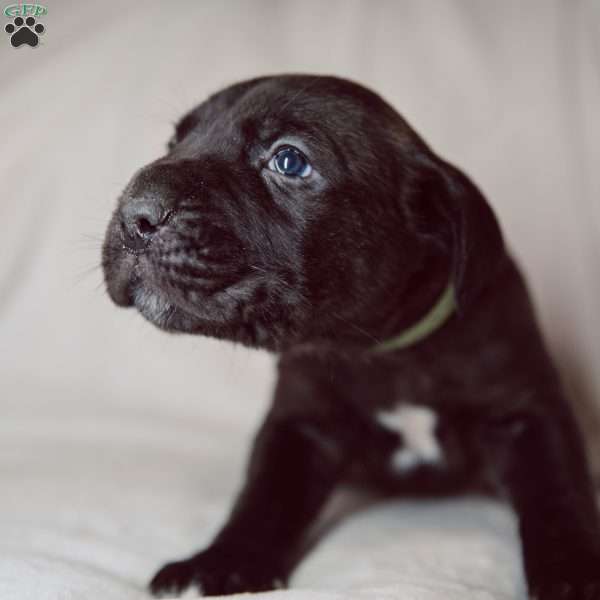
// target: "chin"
[[158, 308], [159, 311]]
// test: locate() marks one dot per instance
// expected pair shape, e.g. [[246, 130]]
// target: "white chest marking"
[[416, 424]]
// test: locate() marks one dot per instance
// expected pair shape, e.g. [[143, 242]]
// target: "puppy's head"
[[291, 208]]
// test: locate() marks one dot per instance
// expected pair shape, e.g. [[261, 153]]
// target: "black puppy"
[[303, 215]]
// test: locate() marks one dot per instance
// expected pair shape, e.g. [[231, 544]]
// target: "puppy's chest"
[[417, 430]]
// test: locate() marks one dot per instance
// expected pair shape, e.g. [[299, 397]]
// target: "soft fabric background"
[[121, 447]]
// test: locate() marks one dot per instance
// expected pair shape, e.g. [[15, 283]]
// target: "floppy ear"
[[455, 212]]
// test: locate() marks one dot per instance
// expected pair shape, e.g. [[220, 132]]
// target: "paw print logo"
[[24, 31]]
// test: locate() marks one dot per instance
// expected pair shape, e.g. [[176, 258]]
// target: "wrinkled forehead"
[[312, 109], [295, 108]]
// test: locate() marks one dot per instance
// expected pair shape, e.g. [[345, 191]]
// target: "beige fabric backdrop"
[[509, 91]]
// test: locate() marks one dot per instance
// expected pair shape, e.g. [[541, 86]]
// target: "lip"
[[134, 280], [119, 279], [153, 303]]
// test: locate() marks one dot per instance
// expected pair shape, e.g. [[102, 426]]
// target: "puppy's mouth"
[[173, 288], [128, 286]]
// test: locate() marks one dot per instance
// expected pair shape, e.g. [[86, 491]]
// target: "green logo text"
[[25, 10]]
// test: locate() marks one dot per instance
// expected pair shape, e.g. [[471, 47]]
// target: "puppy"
[[303, 215]]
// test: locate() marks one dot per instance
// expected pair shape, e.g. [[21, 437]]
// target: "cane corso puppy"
[[303, 215]]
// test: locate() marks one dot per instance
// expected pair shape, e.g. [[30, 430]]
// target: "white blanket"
[[121, 447]]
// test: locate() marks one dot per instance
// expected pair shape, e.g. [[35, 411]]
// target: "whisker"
[[86, 273], [100, 287]]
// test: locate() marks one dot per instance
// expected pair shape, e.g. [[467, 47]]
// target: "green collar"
[[431, 322]]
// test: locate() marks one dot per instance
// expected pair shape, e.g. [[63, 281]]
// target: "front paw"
[[217, 572], [575, 579]]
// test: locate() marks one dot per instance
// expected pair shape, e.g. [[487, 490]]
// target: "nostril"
[[141, 219], [144, 228]]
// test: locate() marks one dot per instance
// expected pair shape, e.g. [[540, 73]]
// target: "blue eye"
[[290, 162]]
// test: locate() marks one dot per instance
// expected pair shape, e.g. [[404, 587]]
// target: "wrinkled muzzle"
[[169, 244]]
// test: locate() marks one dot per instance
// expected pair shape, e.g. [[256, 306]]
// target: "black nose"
[[141, 218]]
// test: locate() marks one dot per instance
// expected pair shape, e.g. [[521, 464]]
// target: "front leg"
[[543, 468], [299, 455]]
